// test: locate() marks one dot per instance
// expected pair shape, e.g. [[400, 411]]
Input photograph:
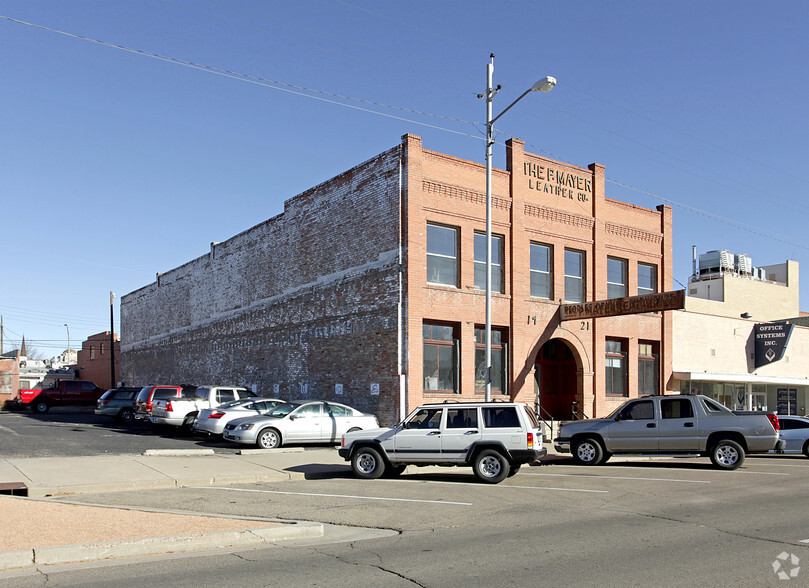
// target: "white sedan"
[[213, 420], [302, 421]]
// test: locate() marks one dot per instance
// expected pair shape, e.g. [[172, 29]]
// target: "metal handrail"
[[577, 414]]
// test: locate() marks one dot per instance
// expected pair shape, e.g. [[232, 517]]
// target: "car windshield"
[[284, 409]]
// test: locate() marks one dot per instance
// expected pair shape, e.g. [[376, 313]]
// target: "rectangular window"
[[574, 275], [616, 373], [500, 418], [462, 418], [440, 357], [497, 263], [541, 271], [676, 408], [616, 277], [442, 255], [499, 360], [647, 368], [647, 279]]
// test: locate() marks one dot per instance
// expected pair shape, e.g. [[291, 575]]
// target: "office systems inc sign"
[[771, 340]]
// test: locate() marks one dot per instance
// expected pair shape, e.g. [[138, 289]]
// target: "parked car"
[[148, 394], [119, 403], [63, 392], [302, 421], [795, 433], [212, 421], [181, 412], [493, 438], [671, 424]]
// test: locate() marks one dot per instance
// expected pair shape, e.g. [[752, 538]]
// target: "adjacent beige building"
[[714, 350]]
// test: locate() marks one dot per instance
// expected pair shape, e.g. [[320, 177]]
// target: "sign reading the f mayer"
[[629, 305], [771, 341]]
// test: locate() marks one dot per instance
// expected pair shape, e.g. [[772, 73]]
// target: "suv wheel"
[[268, 439], [367, 463], [727, 454], [491, 467], [588, 452]]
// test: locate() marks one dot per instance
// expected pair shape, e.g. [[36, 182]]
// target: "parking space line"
[[615, 467], [804, 541], [330, 495], [513, 486], [624, 478]]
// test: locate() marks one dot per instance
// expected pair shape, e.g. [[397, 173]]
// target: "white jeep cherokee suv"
[[494, 438]]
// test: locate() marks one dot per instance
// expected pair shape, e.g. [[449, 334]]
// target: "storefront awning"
[[740, 378]]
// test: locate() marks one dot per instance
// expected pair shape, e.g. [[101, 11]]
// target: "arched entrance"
[[557, 384]]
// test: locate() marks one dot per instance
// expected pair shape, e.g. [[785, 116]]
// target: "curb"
[[64, 554]]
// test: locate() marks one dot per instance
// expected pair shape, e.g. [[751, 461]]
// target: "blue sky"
[[117, 164]]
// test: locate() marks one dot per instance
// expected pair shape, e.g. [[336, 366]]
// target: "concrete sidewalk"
[[38, 531]]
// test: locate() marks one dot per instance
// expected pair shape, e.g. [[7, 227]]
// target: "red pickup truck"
[[65, 392]]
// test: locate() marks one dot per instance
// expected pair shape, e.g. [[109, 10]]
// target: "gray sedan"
[[213, 420], [302, 421]]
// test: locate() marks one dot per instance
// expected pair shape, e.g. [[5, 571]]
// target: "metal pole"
[[489, 142], [112, 344], [67, 357]]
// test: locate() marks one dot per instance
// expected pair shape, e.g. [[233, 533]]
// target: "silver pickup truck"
[[685, 424]]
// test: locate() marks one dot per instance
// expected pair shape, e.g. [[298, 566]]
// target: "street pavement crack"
[[379, 567]]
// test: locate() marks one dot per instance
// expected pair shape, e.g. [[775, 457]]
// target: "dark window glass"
[[439, 361], [426, 418], [462, 418], [616, 369], [676, 408], [500, 417], [641, 410], [499, 361]]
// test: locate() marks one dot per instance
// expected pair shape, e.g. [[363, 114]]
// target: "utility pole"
[[112, 344]]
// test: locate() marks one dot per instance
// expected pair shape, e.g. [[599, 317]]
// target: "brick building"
[[369, 289], [93, 360]]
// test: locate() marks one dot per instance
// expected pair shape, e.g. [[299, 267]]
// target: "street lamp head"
[[546, 84]]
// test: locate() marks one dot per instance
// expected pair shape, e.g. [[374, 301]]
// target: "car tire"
[[727, 454], [188, 424], [41, 406], [367, 463], [588, 452], [491, 466], [268, 439], [806, 449], [126, 415]]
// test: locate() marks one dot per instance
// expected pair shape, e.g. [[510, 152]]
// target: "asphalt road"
[[663, 522]]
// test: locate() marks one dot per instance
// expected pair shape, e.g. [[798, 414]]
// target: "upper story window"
[[616, 277], [497, 262], [574, 275], [499, 360], [92, 352], [541, 271], [647, 279], [442, 255]]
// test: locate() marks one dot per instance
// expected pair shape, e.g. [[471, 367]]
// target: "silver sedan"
[[302, 421], [795, 431], [213, 420]]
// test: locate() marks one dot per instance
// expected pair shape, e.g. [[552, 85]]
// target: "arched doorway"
[[557, 384]]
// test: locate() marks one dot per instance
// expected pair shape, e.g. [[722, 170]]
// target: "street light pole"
[[546, 84], [112, 344]]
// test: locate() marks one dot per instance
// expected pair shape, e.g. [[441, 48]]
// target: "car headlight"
[[245, 427]]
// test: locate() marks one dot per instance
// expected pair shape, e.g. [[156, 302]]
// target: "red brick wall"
[[93, 360]]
